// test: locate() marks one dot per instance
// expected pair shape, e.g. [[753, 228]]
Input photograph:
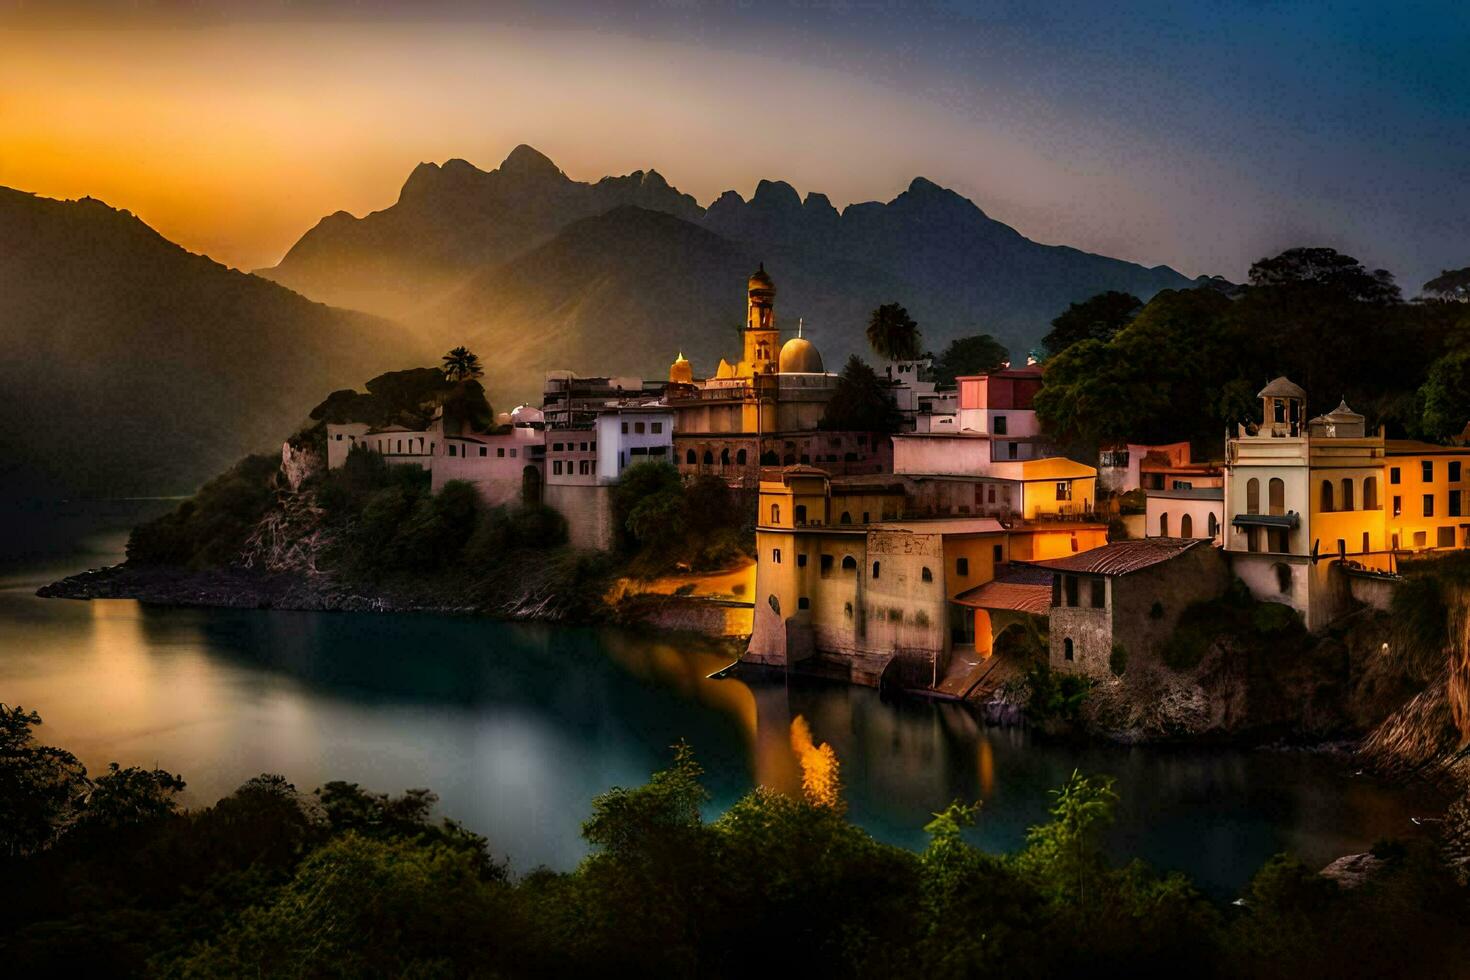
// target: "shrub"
[[1054, 696], [1118, 659], [211, 527]]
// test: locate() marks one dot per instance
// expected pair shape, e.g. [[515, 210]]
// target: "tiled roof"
[[1024, 589], [1122, 557]]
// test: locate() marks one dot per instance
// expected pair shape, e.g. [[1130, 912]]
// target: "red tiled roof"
[[1122, 557], [1025, 588]]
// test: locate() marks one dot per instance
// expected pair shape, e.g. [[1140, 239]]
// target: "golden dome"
[[798, 356], [681, 371], [759, 279]]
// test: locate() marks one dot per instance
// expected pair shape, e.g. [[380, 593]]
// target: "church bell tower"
[[762, 340]]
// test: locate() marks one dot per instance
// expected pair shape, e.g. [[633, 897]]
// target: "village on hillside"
[[918, 555]]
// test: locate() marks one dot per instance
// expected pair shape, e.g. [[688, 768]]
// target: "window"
[[1163, 525], [1446, 537], [1010, 450], [709, 458], [1454, 469], [499, 452], [1253, 496], [803, 602], [1183, 484], [1056, 590], [1454, 510], [656, 427], [1347, 493], [586, 467], [997, 554], [1325, 502], [1370, 493], [1213, 524], [1421, 539], [849, 563], [512, 453], [875, 569], [1427, 468], [1398, 506], [740, 458], [865, 517], [339, 437], [1283, 578], [689, 457], [1341, 548], [801, 514], [1429, 505], [962, 566], [1067, 649], [1393, 475], [846, 518], [1186, 526], [1064, 490], [724, 457], [625, 428], [801, 559], [826, 564], [556, 447], [452, 450], [1367, 543], [1069, 587], [1276, 495], [926, 575], [776, 556], [775, 513], [555, 466], [400, 445], [1000, 425], [638, 428]]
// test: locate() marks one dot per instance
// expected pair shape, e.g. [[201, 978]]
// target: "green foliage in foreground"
[[343, 882]]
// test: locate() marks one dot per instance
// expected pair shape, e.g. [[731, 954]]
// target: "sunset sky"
[[1203, 140]]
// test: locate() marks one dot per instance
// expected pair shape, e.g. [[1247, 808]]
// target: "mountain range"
[[540, 271], [136, 367]]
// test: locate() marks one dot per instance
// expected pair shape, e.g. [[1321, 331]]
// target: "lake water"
[[518, 727]]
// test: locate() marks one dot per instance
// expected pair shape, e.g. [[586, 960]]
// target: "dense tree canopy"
[[892, 333], [1098, 318], [861, 402], [1190, 362], [980, 354], [1451, 284]]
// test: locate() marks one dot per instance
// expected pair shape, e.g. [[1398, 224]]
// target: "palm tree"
[[461, 364], [893, 334]]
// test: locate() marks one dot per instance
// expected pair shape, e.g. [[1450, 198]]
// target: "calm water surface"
[[518, 727]]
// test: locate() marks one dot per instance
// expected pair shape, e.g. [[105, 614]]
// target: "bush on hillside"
[[210, 528]]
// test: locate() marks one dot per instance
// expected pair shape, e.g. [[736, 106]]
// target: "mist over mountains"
[[541, 271], [136, 367]]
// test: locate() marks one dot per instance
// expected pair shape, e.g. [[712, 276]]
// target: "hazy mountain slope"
[[623, 292], [135, 367], [956, 269], [450, 221]]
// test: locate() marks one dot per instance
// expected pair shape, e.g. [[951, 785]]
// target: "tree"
[[892, 333], [861, 402], [40, 786], [1446, 396], [460, 364], [1328, 270], [1098, 318], [980, 354], [1451, 284], [1066, 854]]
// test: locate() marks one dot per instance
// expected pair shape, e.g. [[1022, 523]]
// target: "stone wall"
[[588, 512]]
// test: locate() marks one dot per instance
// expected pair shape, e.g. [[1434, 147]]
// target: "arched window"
[[768, 458], [1186, 526], [1276, 493], [775, 513], [740, 458], [846, 518], [1370, 493], [1283, 578], [875, 569], [1213, 525], [1325, 503], [926, 575], [1347, 493], [724, 457], [1163, 525], [709, 458], [1067, 649], [1252, 495], [690, 458], [849, 563]]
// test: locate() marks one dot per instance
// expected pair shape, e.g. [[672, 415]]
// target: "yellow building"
[[877, 598], [1051, 487], [1425, 487]]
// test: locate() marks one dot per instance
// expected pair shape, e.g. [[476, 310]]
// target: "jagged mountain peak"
[[776, 194], [527, 161]]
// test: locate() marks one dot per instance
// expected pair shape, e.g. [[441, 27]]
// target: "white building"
[[1192, 512], [583, 463]]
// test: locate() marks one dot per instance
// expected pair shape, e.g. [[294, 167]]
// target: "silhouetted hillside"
[[135, 367], [456, 230]]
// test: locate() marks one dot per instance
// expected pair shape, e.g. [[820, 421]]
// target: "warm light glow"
[[821, 780]]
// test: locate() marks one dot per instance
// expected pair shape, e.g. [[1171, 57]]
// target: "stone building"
[[1127, 595]]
